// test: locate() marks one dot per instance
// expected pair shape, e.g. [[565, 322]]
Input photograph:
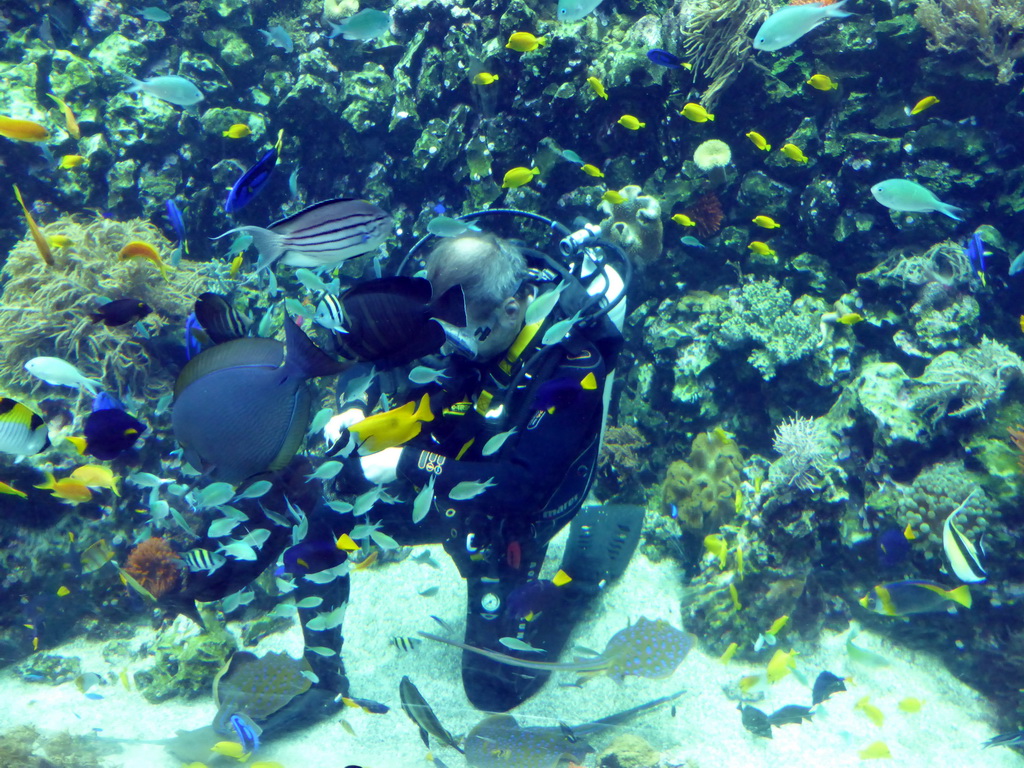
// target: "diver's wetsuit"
[[537, 482]]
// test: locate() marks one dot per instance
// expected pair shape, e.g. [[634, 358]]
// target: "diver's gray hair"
[[489, 269]]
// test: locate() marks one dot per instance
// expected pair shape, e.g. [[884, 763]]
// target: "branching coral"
[[44, 310], [155, 566], [807, 452], [993, 30], [974, 378], [717, 40], [621, 449]]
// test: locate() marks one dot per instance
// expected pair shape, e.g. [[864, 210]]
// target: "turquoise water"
[[820, 367]]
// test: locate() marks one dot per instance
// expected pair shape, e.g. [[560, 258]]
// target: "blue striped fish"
[[322, 235]]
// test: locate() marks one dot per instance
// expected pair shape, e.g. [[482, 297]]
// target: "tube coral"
[[154, 565]]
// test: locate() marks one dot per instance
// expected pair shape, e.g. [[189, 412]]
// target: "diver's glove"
[[381, 467]]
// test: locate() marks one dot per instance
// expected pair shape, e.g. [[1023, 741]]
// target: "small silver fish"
[[469, 489], [423, 502], [423, 374], [493, 445], [326, 471], [278, 36]]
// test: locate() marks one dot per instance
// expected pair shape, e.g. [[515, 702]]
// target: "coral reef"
[[634, 225], [716, 39], [155, 565], [27, 747], [700, 491], [961, 383], [45, 311], [187, 660], [993, 30]]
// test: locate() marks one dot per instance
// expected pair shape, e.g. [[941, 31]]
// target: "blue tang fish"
[[252, 182], [243, 407]]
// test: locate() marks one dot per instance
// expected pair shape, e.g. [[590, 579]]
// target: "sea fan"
[[155, 566]]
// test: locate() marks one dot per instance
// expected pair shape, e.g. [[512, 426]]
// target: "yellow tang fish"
[[394, 427], [237, 131], [716, 544], [822, 83], [346, 543], [236, 265], [726, 657], [777, 625], [630, 122], [71, 491], [793, 152], [63, 592], [696, 113], [735, 596], [37, 234], [484, 78], [910, 704], [70, 122], [592, 170], [761, 248], [922, 105], [524, 42], [781, 664], [58, 241], [873, 713], [597, 87], [758, 141], [766, 222], [230, 749], [22, 130], [97, 476], [613, 197], [71, 161], [518, 176], [683, 220], [137, 248], [850, 318], [874, 751]]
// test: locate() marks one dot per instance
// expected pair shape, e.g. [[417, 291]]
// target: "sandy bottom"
[[705, 731]]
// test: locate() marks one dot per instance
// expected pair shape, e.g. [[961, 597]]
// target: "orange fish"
[[22, 130], [37, 234], [137, 248], [71, 491]]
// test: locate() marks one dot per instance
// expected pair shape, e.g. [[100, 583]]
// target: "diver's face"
[[495, 332]]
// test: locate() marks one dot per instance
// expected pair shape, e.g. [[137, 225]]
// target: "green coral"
[[764, 312], [186, 662]]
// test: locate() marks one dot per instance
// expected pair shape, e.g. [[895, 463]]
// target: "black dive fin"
[[602, 539]]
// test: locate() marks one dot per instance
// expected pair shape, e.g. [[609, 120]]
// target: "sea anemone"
[[155, 566], [712, 157], [707, 214]]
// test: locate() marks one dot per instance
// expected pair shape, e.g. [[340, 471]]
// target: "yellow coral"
[[702, 488]]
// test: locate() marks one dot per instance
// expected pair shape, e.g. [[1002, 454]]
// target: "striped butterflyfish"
[[322, 235], [404, 643], [394, 320], [329, 314], [22, 431]]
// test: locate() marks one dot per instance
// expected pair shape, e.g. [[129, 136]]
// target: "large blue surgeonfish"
[[242, 407]]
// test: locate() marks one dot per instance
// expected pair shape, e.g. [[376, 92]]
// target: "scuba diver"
[[502, 458]]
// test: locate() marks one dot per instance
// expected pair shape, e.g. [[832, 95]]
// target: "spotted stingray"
[[646, 649], [257, 686], [499, 741]]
